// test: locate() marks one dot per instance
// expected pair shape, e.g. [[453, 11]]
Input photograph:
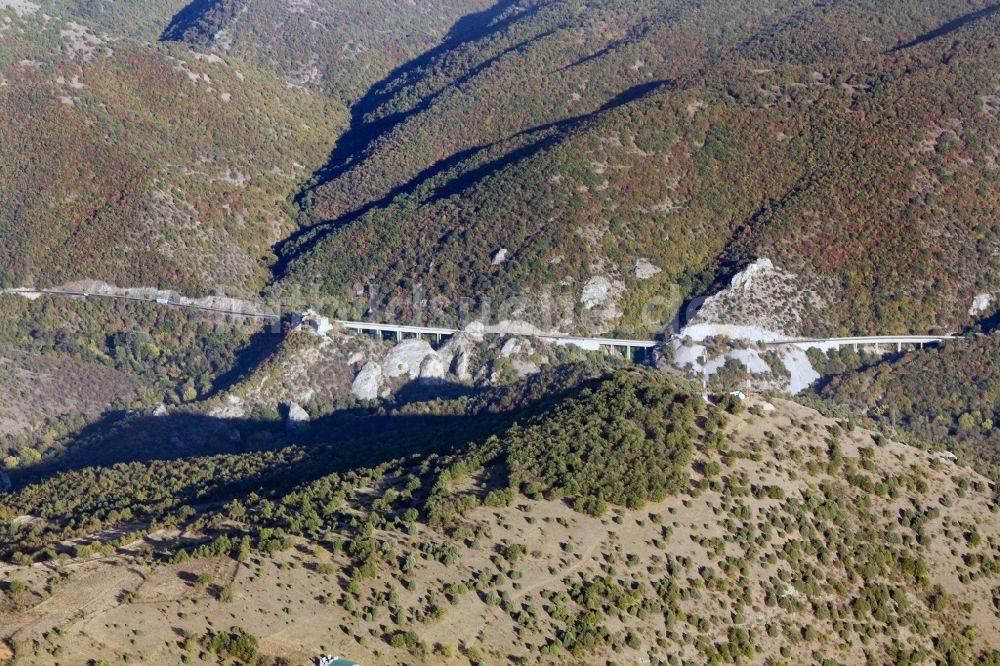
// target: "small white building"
[[327, 660]]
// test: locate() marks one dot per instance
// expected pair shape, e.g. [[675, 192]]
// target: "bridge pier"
[[633, 350]]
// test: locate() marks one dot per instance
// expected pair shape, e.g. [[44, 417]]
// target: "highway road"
[[166, 302], [402, 330]]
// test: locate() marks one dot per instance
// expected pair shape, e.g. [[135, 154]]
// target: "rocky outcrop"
[[980, 304], [231, 408], [766, 298], [511, 347], [599, 298], [595, 292], [644, 269], [460, 365], [432, 368], [368, 384], [407, 359], [298, 418], [458, 353], [762, 303]]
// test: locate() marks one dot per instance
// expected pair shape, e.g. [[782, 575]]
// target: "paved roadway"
[[591, 343], [868, 340], [159, 301]]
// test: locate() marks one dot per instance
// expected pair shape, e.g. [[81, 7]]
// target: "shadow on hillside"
[[337, 444], [991, 324], [354, 437], [187, 18], [535, 140], [949, 27], [413, 426], [361, 132], [262, 345]]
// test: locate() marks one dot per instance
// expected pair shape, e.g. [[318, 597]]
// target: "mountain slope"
[[778, 535], [338, 46], [856, 163], [65, 365], [584, 167], [144, 165], [135, 19], [948, 395]]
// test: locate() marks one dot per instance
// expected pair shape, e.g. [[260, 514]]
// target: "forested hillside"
[[66, 364], [948, 395], [338, 46], [629, 149], [694, 136], [145, 165], [138, 19]]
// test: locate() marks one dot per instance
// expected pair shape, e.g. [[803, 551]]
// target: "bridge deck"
[[868, 340], [401, 329], [431, 330]]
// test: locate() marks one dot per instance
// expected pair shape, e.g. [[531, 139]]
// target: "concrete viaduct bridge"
[[629, 348], [632, 347], [876, 341]]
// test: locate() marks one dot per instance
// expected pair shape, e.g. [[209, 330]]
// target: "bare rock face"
[[644, 269], [980, 304], [764, 297], [595, 292], [599, 298], [432, 368], [407, 358], [460, 366], [161, 410], [458, 352], [500, 256], [298, 418], [368, 384], [521, 352], [762, 303], [511, 347], [600, 295]]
